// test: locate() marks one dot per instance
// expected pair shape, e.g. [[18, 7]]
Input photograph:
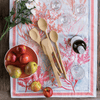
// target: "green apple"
[[31, 68]]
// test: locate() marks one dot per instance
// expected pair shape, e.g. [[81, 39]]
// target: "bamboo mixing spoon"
[[54, 38]]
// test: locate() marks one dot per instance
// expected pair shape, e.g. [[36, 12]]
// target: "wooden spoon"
[[34, 34], [42, 24], [54, 38]]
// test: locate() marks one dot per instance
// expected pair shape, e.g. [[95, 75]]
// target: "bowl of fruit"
[[21, 61]]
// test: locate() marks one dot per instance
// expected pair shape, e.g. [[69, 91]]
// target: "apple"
[[11, 57], [48, 92], [24, 58], [31, 68], [36, 86], [21, 49]]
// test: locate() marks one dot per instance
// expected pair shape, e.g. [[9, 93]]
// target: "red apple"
[[48, 92], [24, 58], [36, 86], [11, 57], [21, 49]]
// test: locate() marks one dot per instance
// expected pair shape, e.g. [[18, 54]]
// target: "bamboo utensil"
[[54, 38], [48, 48]]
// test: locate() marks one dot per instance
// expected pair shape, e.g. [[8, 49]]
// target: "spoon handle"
[[58, 71], [46, 34], [54, 68], [57, 61], [61, 61]]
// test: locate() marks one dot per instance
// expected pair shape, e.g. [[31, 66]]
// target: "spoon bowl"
[[34, 34], [53, 36], [42, 24]]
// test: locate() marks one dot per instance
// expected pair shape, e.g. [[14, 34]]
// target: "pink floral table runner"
[[84, 26]]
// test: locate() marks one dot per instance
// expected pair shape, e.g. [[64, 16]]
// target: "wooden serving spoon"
[[34, 34], [54, 38], [42, 24]]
